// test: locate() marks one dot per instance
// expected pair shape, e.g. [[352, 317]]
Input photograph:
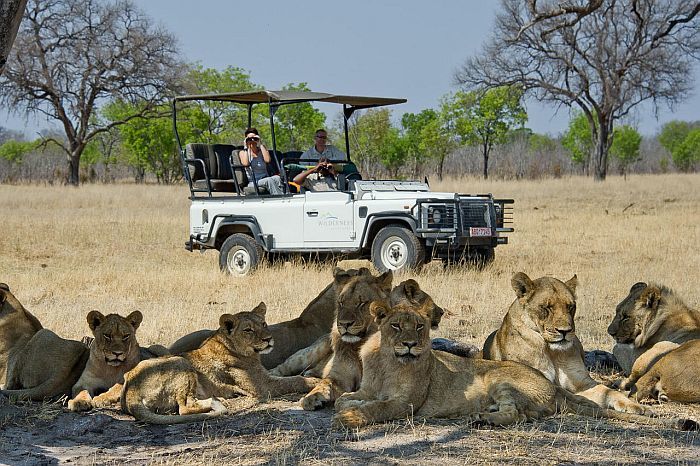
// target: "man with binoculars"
[[321, 177]]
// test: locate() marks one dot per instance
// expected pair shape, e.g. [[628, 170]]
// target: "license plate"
[[479, 231]]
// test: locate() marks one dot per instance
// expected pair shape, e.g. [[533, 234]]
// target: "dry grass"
[[117, 248]]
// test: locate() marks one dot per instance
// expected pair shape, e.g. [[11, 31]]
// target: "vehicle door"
[[328, 218]]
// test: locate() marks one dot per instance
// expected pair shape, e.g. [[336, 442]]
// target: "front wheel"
[[239, 255], [397, 248]]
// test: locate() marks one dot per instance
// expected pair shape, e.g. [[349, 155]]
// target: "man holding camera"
[[322, 177]]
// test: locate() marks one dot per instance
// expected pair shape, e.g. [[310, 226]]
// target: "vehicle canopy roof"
[[283, 97]]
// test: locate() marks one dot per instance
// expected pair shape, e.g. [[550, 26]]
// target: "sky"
[[391, 48]]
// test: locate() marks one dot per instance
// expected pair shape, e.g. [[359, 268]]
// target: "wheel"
[[240, 254], [396, 248]]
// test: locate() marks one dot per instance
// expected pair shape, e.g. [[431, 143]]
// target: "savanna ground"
[[117, 248]]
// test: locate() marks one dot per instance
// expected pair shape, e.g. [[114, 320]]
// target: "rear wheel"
[[397, 248], [240, 255]]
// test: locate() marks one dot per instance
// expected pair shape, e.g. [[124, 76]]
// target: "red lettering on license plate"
[[479, 231]]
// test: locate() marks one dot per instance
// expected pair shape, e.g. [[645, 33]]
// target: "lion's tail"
[[142, 413], [567, 401]]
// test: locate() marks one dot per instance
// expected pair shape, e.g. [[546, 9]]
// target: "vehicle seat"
[[203, 161]]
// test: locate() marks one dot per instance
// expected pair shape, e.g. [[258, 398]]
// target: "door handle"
[[312, 213]]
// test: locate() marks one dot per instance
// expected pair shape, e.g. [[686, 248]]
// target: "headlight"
[[435, 215]]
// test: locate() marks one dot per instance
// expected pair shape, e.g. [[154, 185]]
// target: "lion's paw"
[[629, 406], [313, 401], [349, 418], [82, 402], [217, 407]]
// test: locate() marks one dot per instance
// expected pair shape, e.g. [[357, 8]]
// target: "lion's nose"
[[410, 344], [345, 323], [267, 339], [117, 353], [564, 331]]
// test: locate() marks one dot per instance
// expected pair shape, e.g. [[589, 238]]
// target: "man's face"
[[321, 138]]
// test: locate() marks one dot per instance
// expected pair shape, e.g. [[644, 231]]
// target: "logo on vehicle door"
[[328, 220]]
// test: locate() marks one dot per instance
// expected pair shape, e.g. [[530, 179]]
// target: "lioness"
[[35, 363], [113, 352], [404, 377], [539, 331], [646, 321], [335, 357], [314, 321], [226, 365]]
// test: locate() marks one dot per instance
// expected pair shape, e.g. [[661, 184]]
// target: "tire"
[[397, 248], [240, 255]]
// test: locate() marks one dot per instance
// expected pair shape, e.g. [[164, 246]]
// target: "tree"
[[438, 140], [296, 124], [603, 56], [11, 12], [625, 146], [687, 153], [71, 56], [368, 134], [485, 118], [14, 150], [672, 136], [412, 125], [578, 140]]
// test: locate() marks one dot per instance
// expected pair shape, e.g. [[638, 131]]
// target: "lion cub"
[[113, 352], [225, 366]]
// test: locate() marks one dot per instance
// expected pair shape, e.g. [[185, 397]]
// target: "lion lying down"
[[35, 363], [402, 376], [225, 366]]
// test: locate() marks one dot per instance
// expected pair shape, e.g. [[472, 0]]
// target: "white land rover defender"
[[397, 224]]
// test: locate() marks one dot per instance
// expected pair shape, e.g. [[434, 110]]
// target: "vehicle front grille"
[[474, 214], [439, 216]]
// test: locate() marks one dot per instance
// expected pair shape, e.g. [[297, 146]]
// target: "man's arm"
[[301, 177]]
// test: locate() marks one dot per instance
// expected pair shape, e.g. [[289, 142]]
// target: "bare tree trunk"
[[11, 12], [486, 162], [74, 169], [600, 158]]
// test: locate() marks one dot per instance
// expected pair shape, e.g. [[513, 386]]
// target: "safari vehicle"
[[397, 224]]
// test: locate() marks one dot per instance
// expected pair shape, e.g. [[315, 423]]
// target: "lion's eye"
[[419, 327], [265, 325], [125, 337], [544, 309], [107, 337], [248, 330], [396, 326]]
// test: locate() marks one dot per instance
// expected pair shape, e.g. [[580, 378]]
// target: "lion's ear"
[[436, 315], [4, 289], [379, 310], [364, 272], [227, 322], [341, 277], [95, 319], [385, 280], [4, 286], [572, 283], [651, 297], [135, 319], [639, 286], [410, 290], [522, 284], [260, 309]]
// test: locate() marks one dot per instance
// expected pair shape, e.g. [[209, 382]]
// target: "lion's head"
[[405, 329], [408, 292], [643, 311], [247, 332], [115, 336], [354, 320], [550, 305], [15, 320]]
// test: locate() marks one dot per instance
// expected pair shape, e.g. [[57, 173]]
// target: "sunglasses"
[[251, 139], [322, 137]]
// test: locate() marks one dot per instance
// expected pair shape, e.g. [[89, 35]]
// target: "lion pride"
[[404, 377], [539, 331]]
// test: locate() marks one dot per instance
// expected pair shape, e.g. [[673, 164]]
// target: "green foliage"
[[485, 118], [372, 137], [687, 153], [438, 141], [541, 143], [680, 139], [14, 150], [578, 139], [295, 124], [219, 122], [625, 145], [412, 125]]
